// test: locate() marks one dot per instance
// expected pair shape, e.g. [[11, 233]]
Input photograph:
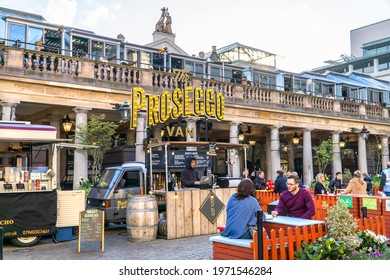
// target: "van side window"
[[132, 179]]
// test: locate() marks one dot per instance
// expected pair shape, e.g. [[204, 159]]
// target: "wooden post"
[[260, 234]]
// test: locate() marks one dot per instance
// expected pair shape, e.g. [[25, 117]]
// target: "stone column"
[[140, 136], [80, 165], [307, 157], [191, 126], [275, 150], [270, 175], [362, 156], [336, 154], [234, 161], [385, 151], [291, 155], [56, 122], [8, 110]]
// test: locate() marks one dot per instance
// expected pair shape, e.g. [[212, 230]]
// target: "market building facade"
[[49, 71]]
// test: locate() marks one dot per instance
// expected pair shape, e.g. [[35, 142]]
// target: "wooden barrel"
[[142, 217], [162, 227]]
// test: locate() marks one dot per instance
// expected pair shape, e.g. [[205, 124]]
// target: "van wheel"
[[25, 241], [76, 230]]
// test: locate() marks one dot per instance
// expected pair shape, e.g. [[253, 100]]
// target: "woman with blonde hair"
[[356, 185], [319, 187]]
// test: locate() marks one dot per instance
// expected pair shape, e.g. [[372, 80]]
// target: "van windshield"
[[107, 179]]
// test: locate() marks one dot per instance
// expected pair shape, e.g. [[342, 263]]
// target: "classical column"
[[80, 166], [336, 154], [8, 110], [275, 150], [307, 158], [56, 122], [140, 136], [234, 161], [270, 175], [190, 132], [290, 154], [385, 151], [362, 154]]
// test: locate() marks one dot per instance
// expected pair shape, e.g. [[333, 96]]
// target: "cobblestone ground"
[[117, 247]]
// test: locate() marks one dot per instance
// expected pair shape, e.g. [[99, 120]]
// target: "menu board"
[[91, 227], [176, 159]]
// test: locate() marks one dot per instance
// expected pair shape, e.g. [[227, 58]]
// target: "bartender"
[[189, 176]]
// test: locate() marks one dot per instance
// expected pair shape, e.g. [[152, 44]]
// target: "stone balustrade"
[[16, 59]]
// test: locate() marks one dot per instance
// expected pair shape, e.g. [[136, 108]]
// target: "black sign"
[[212, 207], [7, 186], [91, 225], [20, 186], [176, 159], [25, 214]]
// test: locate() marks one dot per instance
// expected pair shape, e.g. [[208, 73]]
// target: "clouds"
[[102, 13], [61, 12]]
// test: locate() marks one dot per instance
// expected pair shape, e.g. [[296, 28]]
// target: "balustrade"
[[47, 62]]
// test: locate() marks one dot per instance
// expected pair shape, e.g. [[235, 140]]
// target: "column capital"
[[308, 129], [336, 132], [192, 119], [9, 103], [85, 110], [276, 127]]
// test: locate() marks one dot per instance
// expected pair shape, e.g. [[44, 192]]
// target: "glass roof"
[[19, 14]]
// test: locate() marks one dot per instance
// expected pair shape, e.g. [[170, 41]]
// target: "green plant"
[[85, 185], [323, 154], [372, 243], [376, 180], [325, 248], [100, 133], [347, 175], [342, 226]]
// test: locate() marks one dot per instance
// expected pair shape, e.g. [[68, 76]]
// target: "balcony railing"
[[31, 61]]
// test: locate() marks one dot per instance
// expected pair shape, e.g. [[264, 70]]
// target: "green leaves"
[[325, 248], [323, 154]]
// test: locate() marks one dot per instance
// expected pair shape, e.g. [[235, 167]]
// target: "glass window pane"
[[34, 35], [214, 71], [227, 75], [199, 70], [177, 63], [97, 51], [132, 57], [79, 46], [272, 82], [189, 65], [2, 30], [110, 51], [17, 35], [53, 41], [158, 62]]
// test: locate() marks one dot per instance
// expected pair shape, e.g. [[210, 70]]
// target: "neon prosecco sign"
[[172, 105]]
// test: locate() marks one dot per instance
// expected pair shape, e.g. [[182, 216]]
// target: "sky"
[[303, 33]]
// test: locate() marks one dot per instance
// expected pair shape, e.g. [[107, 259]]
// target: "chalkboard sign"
[[8, 187], [91, 227], [177, 159], [20, 186]]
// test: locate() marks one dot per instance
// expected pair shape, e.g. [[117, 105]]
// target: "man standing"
[[280, 182], [297, 202], [189, 176], [385, 180]]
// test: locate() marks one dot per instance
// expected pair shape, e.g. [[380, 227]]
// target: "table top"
[[284, 220]]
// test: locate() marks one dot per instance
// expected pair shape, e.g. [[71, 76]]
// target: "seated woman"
[[241, 211]]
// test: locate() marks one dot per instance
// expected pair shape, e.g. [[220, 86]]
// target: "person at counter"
[[297, 202], [189, 176], [241, 211]]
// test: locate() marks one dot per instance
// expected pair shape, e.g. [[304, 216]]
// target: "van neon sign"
[[167, 105]]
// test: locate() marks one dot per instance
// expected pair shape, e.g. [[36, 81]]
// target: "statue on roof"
[[164, 24]]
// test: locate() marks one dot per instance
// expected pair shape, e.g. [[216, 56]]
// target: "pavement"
[[117, 247]]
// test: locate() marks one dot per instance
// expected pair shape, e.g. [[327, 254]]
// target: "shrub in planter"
[[325, 248]]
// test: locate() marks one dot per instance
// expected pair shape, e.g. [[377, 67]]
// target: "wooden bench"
[[225, 248]]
